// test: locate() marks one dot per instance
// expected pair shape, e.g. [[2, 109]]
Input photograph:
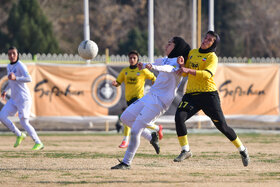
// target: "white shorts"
[[147, 109], [11, 108]]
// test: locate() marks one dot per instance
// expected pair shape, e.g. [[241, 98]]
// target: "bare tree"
[[259, 28], [172, 18], [247, 28]]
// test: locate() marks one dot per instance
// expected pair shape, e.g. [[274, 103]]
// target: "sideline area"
[[199, 123]]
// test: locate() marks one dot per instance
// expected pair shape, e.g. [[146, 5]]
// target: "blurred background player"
[[134, 81], [201, 94], [20, 100]]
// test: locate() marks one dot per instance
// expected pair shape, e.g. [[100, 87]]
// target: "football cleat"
[[154, 142], [38, 146], [19, 139], [160, 133], [245, 157], [183, 155], [121, 165], [124, 144]]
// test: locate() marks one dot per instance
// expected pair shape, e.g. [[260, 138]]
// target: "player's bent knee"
[[179, 118], [127, 118]]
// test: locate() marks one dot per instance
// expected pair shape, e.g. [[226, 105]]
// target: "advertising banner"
[[67, 91], [79, 90], [249, 89]]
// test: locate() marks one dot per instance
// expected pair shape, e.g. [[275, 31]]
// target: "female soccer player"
[[134, 81], [20, 100], [146, 110], [201, 94]]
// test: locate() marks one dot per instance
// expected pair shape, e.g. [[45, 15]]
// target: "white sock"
[[147, 134], [157, 128], [126, 138], [186, 147], [241, 148]]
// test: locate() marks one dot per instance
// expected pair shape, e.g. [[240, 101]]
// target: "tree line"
[[247, 28]]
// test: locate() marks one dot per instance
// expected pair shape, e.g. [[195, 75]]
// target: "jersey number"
[[183, 104]]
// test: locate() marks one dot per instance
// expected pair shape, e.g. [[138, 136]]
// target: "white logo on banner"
[[104, 93]]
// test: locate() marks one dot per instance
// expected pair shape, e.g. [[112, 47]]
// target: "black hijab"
[[181, 48], [213, 47]]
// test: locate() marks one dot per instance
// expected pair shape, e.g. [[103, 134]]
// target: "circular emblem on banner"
[[3, 84], [104, 93]]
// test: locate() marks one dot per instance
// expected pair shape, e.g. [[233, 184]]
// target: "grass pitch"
[[85, 160]]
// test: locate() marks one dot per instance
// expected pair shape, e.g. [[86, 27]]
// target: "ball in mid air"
[[88, 49]]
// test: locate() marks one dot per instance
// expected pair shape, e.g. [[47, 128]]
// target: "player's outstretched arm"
[[115, 83]]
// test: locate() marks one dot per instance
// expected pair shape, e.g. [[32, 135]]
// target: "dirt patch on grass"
[[85, 159]]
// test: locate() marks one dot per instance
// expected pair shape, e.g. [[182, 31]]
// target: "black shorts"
[[131, 101], [208, 102]]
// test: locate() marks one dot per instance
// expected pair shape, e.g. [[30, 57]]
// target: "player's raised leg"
[[242, 150], [219, 121], [157, 128]]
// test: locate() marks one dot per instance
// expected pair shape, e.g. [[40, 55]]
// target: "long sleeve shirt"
[[19, 90], [167, 82]]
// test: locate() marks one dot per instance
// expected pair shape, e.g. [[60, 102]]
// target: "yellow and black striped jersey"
[[205, 65], [134, 81]]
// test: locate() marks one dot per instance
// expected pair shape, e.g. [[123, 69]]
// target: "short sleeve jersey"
[[203, 63], [134, 81]]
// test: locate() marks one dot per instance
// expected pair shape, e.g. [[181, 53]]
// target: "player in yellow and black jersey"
[[201, 94], [134, 81]]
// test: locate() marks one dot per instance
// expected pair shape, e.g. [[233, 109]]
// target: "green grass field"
[[85, 159]]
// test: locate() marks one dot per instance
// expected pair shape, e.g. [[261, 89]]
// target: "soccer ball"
[[88, 49]]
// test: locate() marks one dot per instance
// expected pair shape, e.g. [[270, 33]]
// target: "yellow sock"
[[183, 140], [126, 130], [153, 127], [238, 144]]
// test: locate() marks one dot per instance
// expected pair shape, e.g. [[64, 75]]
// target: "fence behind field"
[[114, 63], [117, 59]]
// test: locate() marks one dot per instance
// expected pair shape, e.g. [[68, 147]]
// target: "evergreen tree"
[[4, 41], [136, 40], [226, 15], [29, 29]]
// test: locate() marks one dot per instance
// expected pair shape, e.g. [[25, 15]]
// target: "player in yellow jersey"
[[201, 94], [134, 81]]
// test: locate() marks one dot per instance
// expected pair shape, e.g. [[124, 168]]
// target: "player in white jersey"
[[20, 100], [146, 110]]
